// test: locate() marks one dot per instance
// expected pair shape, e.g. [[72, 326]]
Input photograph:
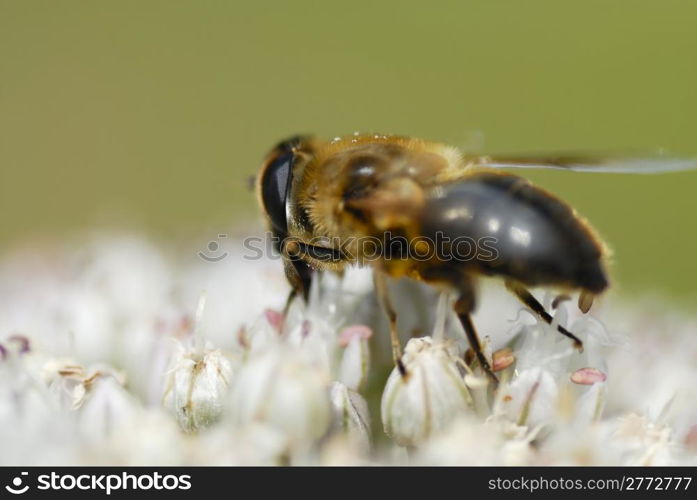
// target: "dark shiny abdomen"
[[538, 239]]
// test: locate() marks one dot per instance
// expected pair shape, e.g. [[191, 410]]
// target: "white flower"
[[428, 398], [644, 442], [546, 364], [580, 445], [264, 331], [531, 398], [285, 388], [87, 334], [238, 289], [198, 381], [63, 377], [150, 437], [230, 444], [103, 406], [467, 441], [313, 327], [33, 429], [351, 416], [353, 370], [197, 386]]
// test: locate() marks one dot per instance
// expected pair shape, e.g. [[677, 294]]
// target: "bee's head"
[[274, 181]]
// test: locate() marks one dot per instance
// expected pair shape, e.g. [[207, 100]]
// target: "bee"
[[404, 206]]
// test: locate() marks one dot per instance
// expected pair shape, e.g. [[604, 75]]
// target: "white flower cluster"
[[105, 358]]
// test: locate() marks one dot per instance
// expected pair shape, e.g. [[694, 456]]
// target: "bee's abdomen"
[[519, 231]]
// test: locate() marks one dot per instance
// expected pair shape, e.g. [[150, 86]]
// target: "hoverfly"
[[324, 199]]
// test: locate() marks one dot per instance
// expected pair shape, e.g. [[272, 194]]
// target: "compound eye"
[[275, 185]]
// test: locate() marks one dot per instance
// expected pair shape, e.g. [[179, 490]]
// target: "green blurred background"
[[157, 112]]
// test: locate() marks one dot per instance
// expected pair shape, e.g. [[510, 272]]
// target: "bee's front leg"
[[299, 275]]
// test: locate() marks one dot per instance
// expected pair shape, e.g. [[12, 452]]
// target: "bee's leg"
[[291, 295], [380, 280], [299, 275], [529, 300], [585, 301], [464, 306]]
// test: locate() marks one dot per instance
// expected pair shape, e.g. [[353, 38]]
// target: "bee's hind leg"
[[530, 301], [380, 281], [463, 307]]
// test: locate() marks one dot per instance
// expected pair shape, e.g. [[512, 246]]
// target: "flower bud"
[[531, 398], [355, 360], [103, 405], [429, 397], [285, 388], [351, 416], [196, 388]]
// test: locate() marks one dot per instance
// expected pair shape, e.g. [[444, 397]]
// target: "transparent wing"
[[580, 162]]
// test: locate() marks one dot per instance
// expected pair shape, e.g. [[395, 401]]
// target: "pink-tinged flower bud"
[[429, 397], [502, 359], [588, 376], [18, 343], [274, 318], [355, 360]]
